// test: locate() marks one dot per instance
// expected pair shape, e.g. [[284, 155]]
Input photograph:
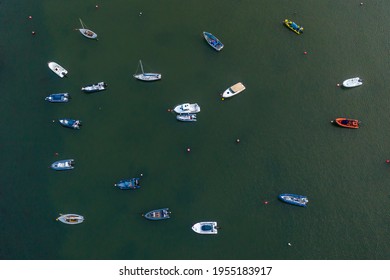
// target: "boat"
[[75, 124], [58, 69], [353, 82], [294, 199], [159, 214], [128, 184], [293, 26], [147, 77], [64, 164], [58, 97], [186, 117], [95, 87], [70, 219], [187, 108], [348, 123], [87, 32], [213, 41], [233, 90], [205, 228]]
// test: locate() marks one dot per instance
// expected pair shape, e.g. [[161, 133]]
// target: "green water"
[[282, 119]]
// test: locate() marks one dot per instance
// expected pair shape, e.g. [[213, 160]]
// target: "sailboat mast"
[[142, 68], [82, 25]]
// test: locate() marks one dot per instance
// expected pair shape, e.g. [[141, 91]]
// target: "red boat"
[[348, 123]]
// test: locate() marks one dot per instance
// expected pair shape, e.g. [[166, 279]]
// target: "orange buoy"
[[387, 160], [305, 52], [265, 202]]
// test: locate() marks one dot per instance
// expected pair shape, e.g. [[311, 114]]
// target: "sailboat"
[[86, 32], [148, 77]]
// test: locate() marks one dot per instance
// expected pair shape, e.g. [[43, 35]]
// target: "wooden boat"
[[128, 184], [213, 41], [159, 214], [293, 26], [233, 90], [147, 77], [64, 164], [294, 199], [58, 69], [185, 117], [353, 82], [95, 87], [205, 228], [348, 123], [187, 108], [58, 97], [71, 219], [75, 124], [87, 32]]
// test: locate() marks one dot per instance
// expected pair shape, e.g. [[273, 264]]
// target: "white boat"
[[58, 69], [87, 32], [95, 87], [185, 117], [353, 82], [205, 228], [71, 219], [233, 90], [148, 77], [187, 108]]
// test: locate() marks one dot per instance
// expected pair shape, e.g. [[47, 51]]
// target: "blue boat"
[[75, 124], [213, 41], [64, 164], [294, 199], [159, 214], [58, 97], [128, 184]]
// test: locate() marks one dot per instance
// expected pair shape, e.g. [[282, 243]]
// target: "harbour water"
[[287, 144]]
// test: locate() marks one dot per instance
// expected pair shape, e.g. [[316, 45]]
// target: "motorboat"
[[159, 214], [353, 82], [58, 69], [58, 97], [87, 32], [128, 184], [65, 164], [213, 41], [294, 199], [347, 123], [186, 117], [187, 108], [293, 26], [147, 77], [75, 124], [71, 219], [205, 228], [233, 90], [95, 87]]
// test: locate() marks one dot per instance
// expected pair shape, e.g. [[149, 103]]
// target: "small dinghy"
[[213, 41], [58, 69], [185, 117], [294, 199], [71, 219], [87, 32], [65, 164], [353, 82], [205, 228], [293, 26], [58, 97], [159, 214], [233, 90], [75, 124], [347, 123], [187, 108], [128, 184], [95, 87], [147, 77]]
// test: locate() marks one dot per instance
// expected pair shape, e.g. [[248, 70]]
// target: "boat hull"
[[69, 123], [65, 164], [159, 214], [294, 199], [293, 26], [58, 98], [88, 33], [128, 184], [353, 82], [94, 87], [346, 123], [58, 69], [233, 90], [148, 77], [71, 219], [213, 41], [186, 117], [205, 228]]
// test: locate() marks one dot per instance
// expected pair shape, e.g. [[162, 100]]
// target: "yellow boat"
[[293, 26]]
